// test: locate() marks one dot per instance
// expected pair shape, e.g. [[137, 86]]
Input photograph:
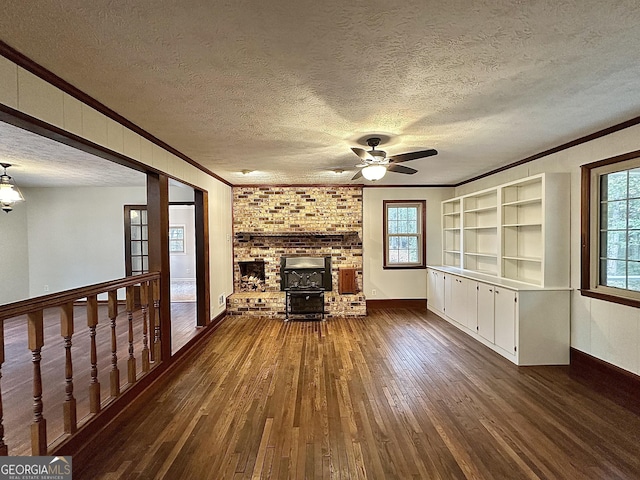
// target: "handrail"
[[23, 307], [142, 308]]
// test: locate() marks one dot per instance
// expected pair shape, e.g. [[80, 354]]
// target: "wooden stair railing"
[[33, 309]]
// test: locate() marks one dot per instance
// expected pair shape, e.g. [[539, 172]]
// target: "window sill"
[[630, 302], [404, 267]]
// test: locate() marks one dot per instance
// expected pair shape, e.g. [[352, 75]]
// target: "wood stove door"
[[305, 302]]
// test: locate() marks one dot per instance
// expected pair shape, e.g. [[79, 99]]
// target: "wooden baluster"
[[4, 450], [114, 375], [157, 343], [36, 342], [144, 298], [131, 363], [69, 412], [151, 314], [92, 323]]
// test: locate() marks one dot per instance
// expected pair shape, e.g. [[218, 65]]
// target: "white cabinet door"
[[455, 295], [505, 318], [449, 304], [486, 310], [471, 310], [436, 290]]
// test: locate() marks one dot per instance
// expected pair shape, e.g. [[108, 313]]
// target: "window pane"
[[145, 264], [413, 243], [136, 263], [413, 256], [392, 227], [634, 214], [135, 232], [614, 186], [412, 226], [633, 246], [634, 183], [143, 214], [145, 235], [393, 256], [393, 213], [615, 272], [412, 213], [145, 247], [136, 248], [134, 215], [393, 243], [402, 214], [614, 215], [634, 276], [614, 244], [403, 256], [404, 242]]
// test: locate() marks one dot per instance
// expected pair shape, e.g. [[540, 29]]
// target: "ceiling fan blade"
[[405, 157], [357, 175], [401, 169], [363, 154]]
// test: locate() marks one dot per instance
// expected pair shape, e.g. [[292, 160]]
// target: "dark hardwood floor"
[[400, 394]]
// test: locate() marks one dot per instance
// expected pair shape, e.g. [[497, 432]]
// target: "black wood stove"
[[305, 279]]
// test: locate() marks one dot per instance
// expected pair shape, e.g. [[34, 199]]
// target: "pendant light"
[[9, 192]]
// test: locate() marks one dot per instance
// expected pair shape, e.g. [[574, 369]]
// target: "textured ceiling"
[[40, 162], [285, 88]]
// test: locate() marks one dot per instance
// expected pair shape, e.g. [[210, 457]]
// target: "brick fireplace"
[[275, 222]]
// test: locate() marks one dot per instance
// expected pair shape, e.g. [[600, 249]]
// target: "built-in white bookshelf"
[[451, 233], [517, 231], [480, 231]]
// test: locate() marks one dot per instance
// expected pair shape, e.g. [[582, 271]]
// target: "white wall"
[[14, 255], [398, 284], [605, 330], [183, 265], [76, 235], [21, 90]]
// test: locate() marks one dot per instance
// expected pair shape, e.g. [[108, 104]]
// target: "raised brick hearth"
[[272, 222]]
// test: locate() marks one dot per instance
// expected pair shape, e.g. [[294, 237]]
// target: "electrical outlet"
[[46, 288], [221, 300], [374, 292]]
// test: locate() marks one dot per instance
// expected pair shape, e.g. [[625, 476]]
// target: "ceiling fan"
[[375, 163]]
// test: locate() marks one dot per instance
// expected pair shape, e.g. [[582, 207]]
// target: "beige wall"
[[605, 330], [398, 284], [14, 255], [24, 91]]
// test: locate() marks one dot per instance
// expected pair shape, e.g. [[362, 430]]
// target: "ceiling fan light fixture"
[[374, 172], [9, 192]]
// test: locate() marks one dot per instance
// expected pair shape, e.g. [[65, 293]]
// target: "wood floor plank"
[[399, 394]]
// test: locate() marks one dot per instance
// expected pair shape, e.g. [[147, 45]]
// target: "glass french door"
[[136, 239]]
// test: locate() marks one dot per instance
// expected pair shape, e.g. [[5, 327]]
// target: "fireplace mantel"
[[247, 236]]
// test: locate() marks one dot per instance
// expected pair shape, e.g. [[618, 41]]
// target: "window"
[[136, 239], [611, 229], [404, 233], [176, 239]]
